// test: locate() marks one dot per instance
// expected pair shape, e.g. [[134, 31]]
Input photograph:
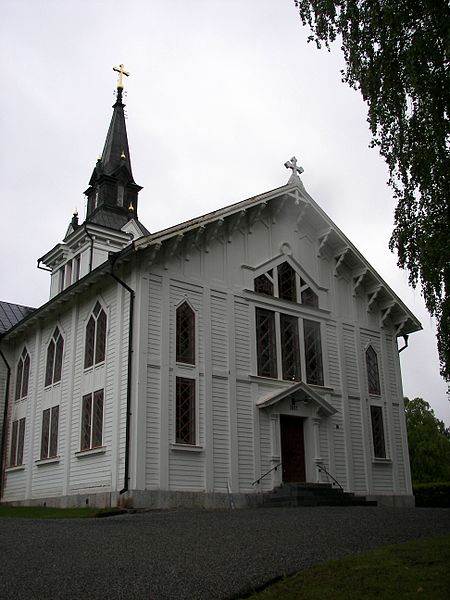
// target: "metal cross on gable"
[[292, 164], [121, 72]]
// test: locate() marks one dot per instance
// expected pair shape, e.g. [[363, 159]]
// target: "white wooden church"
[[207, 363]]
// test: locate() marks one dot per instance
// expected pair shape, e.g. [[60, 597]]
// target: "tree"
[[429, 445], [397, 53]]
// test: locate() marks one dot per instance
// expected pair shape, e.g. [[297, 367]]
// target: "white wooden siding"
[[357, 441], [245, 436], [221, 434]]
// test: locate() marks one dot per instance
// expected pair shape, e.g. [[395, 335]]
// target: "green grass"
[[47, 512], [418, 569]]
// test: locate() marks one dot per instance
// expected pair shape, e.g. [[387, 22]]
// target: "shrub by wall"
[[435, 495]]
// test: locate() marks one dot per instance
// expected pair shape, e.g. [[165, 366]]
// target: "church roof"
[[221, 224], [11, 314]]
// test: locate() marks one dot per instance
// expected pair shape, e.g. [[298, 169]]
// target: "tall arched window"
[[373, 376], [54, 358], [22, 375], [185, 334], [95, 345]]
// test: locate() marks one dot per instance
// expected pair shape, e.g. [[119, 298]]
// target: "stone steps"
[[312, 494]]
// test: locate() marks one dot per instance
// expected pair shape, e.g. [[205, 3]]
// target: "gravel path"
[[191, 555]]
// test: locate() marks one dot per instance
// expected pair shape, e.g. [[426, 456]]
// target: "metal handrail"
[[322, 467], [275, 468]]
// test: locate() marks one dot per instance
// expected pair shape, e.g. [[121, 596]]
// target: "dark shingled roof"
[[10, 314]]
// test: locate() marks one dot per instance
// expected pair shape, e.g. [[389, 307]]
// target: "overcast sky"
[[221, 94]]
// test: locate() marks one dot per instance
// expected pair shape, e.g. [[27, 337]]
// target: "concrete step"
[[301, 494]]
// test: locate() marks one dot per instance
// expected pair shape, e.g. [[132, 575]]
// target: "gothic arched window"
[[373, 376], [22, 375], [95, 345], [54, 358], [185, 334]]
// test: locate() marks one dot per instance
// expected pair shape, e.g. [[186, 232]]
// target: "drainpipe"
[[405, 337], [5, 425], [129, 380]]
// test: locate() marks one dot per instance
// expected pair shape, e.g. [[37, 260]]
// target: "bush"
[[436, 495]]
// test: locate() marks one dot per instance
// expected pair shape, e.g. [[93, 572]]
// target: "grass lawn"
[[417, 569], [46, 512]]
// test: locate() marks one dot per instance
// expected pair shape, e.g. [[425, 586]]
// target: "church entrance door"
[[292, 449]]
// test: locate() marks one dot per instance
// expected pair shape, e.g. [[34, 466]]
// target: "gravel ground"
[[191, 555]]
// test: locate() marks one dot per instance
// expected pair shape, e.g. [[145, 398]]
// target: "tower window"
[[185, 334], [120, 195], [95, 345], [54, 358], [22, 375]]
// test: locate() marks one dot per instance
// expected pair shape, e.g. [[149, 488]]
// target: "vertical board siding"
[[221, 434], [265, 450], [154, 319], [153, 429], [391, 375], [398, 448], [219, 337], [351, 363], [333, 356], [245, 436], [242, 343], [340, 464], [359, 471]]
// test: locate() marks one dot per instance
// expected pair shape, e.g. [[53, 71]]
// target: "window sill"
[[90, 452], [381, 461], [16, 468], [46, 461], [187, 447]]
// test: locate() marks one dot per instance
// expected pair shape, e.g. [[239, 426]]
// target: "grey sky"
[[221, 94]]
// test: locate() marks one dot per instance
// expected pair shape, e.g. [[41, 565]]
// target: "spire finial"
[[296, 171], [121, 72]]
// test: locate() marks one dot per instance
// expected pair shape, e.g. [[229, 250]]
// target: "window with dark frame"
[[290, 350], [313, 352], [379, 446], [17, 442], [185, 334], [373, 375], [266, 343], [264, 283], [49, 435], [185, 411], [95, 344], [55, 352], [92, 421], [22, 375], [288, 281], [287, 289]]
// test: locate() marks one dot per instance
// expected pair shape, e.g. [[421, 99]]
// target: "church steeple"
[[112, 188]]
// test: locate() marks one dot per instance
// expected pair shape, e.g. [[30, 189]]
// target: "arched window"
[[54, 358], [95, 345], [373, 376], [185, 334], [22, 375]]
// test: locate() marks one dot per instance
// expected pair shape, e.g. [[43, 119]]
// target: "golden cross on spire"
[[121, 72]]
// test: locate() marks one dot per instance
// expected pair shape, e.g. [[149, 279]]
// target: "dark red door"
[[292, 448]]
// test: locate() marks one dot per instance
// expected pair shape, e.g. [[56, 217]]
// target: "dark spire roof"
[[116, 154], [10, 314], [112, 188]]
